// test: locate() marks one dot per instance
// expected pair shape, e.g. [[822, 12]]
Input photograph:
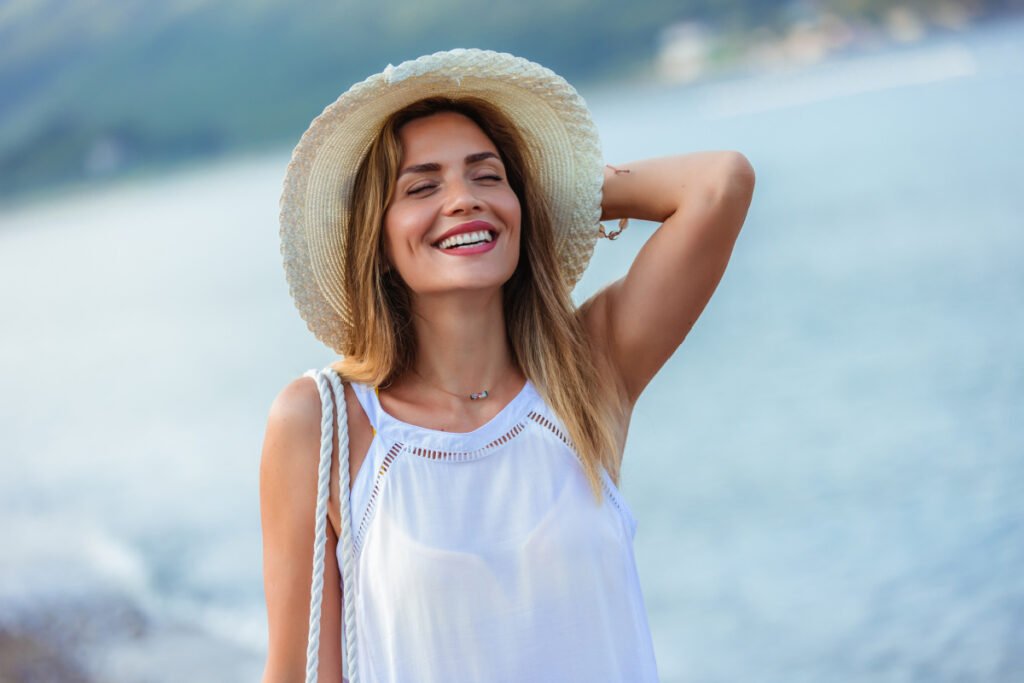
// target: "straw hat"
[[562, 149]]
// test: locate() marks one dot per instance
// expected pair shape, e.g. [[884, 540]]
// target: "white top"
[[484, 556]]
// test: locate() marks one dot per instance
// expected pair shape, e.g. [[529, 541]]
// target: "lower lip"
[[469, 251]]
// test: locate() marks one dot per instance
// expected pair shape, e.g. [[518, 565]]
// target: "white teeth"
[[466, 238]]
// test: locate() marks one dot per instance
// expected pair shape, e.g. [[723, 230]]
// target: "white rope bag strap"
[[326, 381]]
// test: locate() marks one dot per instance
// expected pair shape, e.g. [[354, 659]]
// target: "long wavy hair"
[[545, 330]]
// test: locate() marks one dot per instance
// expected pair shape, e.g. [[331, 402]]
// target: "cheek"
[[402, 230], [511, 209]]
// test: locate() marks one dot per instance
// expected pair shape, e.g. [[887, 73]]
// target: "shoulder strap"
[[326, 381], [370, 403]]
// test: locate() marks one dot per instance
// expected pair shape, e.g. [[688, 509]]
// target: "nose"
[[461, 199]]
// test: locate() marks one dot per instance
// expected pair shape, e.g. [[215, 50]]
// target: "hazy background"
[[828, 474]]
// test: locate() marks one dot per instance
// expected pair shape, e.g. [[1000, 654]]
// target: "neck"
[[462, 344]]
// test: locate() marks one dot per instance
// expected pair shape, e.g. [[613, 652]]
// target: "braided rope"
[[347, 554], [320, 535], [326, 381]]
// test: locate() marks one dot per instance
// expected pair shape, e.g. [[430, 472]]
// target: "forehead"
[[442, 135]]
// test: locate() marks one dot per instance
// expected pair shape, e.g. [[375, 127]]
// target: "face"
[[451, 182]]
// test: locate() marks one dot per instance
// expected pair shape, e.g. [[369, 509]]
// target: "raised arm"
[[288, 482], [701, 199]]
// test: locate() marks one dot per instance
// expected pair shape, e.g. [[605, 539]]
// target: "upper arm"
[[288, 491], [647, 314]]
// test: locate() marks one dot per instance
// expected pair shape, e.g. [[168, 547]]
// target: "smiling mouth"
[[468, 239]]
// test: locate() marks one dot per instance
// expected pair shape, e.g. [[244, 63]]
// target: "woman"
[[435, 219]]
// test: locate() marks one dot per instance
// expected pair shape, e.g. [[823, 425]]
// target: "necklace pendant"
[[482, 394]]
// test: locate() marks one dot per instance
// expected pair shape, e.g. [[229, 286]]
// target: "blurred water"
[[827, 474]]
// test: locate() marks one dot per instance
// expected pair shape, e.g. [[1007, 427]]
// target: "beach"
[[826, 474]]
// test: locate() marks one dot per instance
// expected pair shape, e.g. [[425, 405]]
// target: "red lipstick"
[[471, 226]]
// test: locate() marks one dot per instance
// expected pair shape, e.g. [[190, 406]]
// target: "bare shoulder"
[[292, 442], [288, 475], [297, 402], [293, 424], [290, 460], [289, 467]]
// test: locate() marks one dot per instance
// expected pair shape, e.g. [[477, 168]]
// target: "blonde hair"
[[545, 331]]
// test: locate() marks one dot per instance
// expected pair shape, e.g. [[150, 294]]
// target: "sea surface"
[[828, 474]]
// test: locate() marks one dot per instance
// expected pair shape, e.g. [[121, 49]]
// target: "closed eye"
[[419, 189]]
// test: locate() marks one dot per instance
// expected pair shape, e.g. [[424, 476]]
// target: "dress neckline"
[[511, 413]]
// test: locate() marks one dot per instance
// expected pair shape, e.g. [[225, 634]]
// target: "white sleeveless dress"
[[484, 557]]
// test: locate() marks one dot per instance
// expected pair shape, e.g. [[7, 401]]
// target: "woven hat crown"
[[562, 149]]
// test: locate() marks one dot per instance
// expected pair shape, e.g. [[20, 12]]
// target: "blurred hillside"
[[91, 89]]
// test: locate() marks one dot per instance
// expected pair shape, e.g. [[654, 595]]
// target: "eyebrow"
[[434, 166]]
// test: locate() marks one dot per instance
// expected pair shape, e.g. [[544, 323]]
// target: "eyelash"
[[421, 188]]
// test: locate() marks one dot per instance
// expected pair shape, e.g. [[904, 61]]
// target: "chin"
[[465, 279], [464, 284]]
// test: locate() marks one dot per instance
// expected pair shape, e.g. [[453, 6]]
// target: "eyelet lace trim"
[[461, 456], [381, 471], [553, 428]]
